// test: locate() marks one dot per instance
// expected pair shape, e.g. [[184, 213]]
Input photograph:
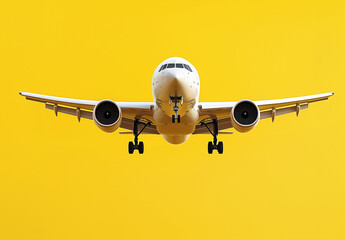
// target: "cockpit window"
[[187, 67], [162, 67], [177, 65]]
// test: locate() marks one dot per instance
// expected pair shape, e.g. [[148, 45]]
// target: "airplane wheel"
[[173, 118], [220, 147], [141, 148], [130, 147], [178, 118], [210, 147]]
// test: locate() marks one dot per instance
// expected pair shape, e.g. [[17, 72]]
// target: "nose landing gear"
[[174, 117], [176, 100], [137, 145], [213, 145]]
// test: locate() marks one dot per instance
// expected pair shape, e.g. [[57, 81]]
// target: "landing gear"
[[137, 145], [176, 100], [213, 145], [174, 118]]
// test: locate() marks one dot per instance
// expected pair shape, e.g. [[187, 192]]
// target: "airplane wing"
[[268, 109], [84, 109]]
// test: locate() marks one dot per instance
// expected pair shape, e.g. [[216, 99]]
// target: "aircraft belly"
[[175, 139], [173, 129], [164, 123]]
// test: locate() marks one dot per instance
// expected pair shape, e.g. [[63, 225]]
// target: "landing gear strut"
[[213, 145], [137, 145], [176, 100]]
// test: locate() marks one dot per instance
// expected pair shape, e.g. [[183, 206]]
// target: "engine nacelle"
[[245, 115], [107, 115]]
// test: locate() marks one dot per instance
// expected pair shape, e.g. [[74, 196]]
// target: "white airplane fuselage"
[[178, 79]]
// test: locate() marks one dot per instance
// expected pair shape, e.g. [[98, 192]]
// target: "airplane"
[[176, 112]]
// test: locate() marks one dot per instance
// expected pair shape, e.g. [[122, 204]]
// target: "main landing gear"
[[213, 145], [176, 100], [137, 145]]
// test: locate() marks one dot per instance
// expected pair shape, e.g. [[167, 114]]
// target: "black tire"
[[220, 147], [173, 118], [141, 148], [178, 118], [130, 147], [210, 147]]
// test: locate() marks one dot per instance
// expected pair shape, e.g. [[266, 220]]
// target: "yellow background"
[[63, 180]]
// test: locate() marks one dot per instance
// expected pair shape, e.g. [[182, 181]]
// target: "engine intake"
[[245, 115], [107, 115]]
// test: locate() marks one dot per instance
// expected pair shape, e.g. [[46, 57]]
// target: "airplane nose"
[[173, 75], [175, 79], [173, 83]]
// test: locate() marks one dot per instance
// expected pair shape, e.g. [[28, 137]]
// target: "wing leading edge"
[[268, 109], [86, 104], [84, 109]]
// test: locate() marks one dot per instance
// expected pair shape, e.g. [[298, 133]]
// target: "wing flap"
[[281, 111], [267, 104], [85, 104], [126, 123], [70, 111]]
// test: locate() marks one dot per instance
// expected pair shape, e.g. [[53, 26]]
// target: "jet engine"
[[107, 115], [245, 115]]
